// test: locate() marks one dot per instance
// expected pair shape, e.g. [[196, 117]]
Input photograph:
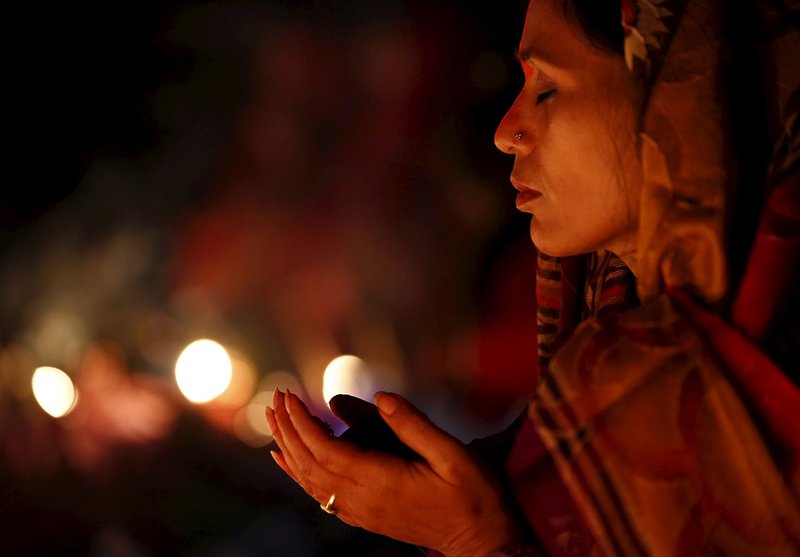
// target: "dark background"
[[293, 179]]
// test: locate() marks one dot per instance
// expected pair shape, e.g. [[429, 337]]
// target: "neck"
[[625, 248], [630, 259]]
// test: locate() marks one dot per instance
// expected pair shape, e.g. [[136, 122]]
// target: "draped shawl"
[[669, 425]]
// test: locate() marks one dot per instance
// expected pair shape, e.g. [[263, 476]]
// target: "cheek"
[[580, 162], [587, 201]]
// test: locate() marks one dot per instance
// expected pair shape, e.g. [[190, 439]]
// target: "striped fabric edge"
[[548, 305], [610, 285], [583, 467]]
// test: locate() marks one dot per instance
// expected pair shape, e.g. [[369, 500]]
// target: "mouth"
[[526, 194]]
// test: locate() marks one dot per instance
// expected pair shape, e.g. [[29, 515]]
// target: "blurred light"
[[242, 383], [203, 371], [54, 391], [348, 375], [282, 380], [256, 417], [250, 424]]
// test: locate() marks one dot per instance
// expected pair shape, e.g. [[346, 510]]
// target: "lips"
[[526, 194], [525, 197]]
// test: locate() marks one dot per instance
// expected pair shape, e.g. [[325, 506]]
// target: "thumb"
[[351, 410], [440, 449]]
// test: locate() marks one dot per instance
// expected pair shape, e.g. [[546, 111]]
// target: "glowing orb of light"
[[242, 384], [349, 375], [203, 371], [250, 424], [54, 391], [282, 380]]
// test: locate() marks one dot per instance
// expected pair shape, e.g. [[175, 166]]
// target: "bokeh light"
[[54, 391], [250, 424], [203, 371], [347, 375], [283, 380], [242, 384]]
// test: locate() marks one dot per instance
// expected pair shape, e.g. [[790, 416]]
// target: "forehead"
[[548, 39]]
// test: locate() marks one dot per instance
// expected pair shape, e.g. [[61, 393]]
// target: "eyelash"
[[544, 95]]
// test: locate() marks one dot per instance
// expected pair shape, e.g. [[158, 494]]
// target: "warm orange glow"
[[242, 384]]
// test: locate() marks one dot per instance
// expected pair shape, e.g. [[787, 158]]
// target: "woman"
[[663, 423]]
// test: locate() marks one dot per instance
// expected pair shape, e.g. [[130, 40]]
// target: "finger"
[[284, 459], [279, 408], [361, 468], [269, 414], [276, 433], [339, 456], [316, 479], [349, 520], [350, 409], [444, 453], [324, 425], [338, 512], [281, 462], [287, 462]]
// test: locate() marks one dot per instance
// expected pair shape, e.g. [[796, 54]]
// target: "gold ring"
[[328, 507]]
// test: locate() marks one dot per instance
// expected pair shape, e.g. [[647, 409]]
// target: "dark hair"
[[600, 20]]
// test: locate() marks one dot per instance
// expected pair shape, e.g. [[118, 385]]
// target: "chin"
[[556, 245], [566, 241]]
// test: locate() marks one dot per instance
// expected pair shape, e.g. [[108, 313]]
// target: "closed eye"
[[544, 95]]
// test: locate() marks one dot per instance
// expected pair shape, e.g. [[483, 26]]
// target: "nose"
[[513, 136]]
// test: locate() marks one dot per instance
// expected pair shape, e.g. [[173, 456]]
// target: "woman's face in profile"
[[571, 131]]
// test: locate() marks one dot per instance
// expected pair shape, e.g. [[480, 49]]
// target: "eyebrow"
[[530, 54]]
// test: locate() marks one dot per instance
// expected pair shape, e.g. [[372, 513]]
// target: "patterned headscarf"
[[679, 52]]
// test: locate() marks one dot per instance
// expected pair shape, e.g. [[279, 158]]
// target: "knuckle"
[[452, 472], [325, 460], [312, 491], [316, 492]]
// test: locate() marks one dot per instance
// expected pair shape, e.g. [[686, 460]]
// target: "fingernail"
[[275, 394], [270, 420], [386, 402], [289, 402], [274, 455]]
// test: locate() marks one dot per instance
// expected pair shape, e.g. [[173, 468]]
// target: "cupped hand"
[[446, 500], [367, 428]]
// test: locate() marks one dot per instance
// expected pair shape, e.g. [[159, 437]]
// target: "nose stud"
[[518, 135]]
